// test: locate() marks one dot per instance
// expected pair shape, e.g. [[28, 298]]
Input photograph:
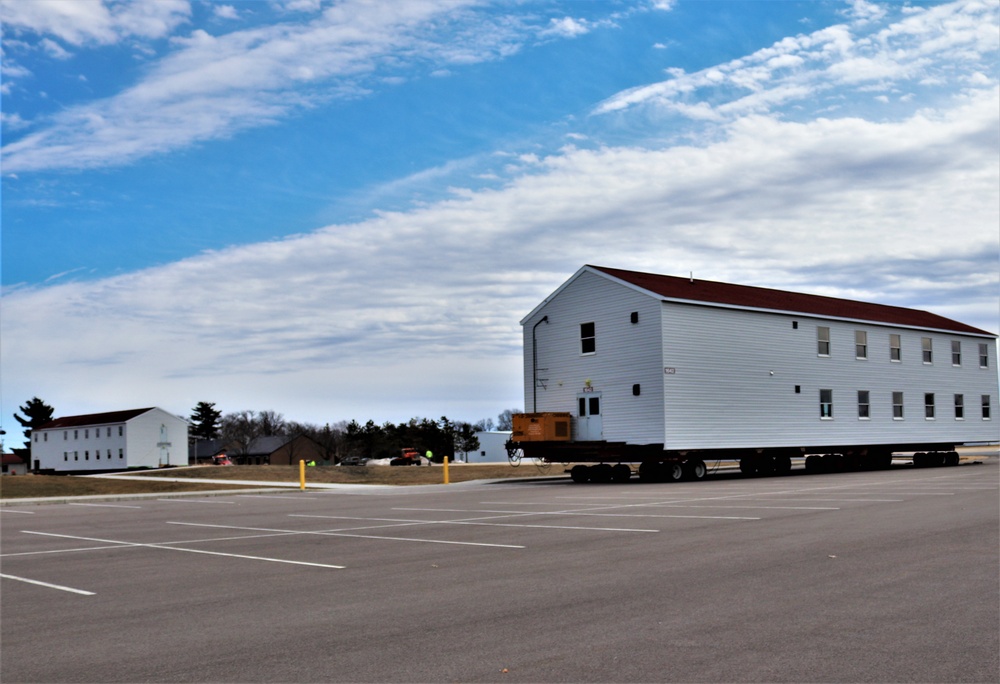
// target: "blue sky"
[[341, 210]]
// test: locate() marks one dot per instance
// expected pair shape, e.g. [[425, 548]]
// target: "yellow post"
[[302, 475], [446, 470]]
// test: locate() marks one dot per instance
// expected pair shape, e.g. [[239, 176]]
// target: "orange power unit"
[[541, 427]]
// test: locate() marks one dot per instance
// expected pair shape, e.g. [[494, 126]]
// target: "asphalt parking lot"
[[887, 576]]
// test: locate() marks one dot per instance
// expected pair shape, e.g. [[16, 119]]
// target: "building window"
[[86, 455], [927, 345], [65, 455], [959, 407], [984, 356], [76, 434], [897, 406], [45, 436], [65, 435], [76, 455], [588, 340], [120, 430], [109, 432], [121, 453], [36, 438], [822, 341], [864, 405], [986, 407], [929, 406], [895, 348], [956, 353], [109, 454], [97, 454], [826, 403], [860, 344]]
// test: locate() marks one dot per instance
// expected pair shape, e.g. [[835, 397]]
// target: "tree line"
[[441, 437], [238, 430]]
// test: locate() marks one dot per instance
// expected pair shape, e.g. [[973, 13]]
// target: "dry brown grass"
[[38, 486], [391, 475]]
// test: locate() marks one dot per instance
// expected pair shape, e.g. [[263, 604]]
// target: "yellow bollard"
[[446, 470], [302, 475]]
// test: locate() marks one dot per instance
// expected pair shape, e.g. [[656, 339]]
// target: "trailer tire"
[[649, 471], [621, 473], [601, 473], [673, 471], [952, 458], [749, 465], [695, 469], [580, 473]]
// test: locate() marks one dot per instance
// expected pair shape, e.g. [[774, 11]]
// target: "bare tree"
[[271, 424], [505, 421], [239, 430]]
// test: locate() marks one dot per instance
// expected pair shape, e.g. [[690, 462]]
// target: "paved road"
[[890, 576]]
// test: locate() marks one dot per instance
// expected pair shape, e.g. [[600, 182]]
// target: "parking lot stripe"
[[474, 522], [50, 586], [201, 551], [96, 505], [581, 513], [334, 533]]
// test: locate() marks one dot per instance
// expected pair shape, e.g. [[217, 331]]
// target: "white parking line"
[[215, 501], [472, 522], [4, 510], [201, 551], [333, 533], [96, 505], [606, 515], [50, 586]]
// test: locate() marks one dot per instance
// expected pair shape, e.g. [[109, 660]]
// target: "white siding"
[[714, 377], [627, 354], [144, 437], [724, 394], [492, 447], [87, 447]]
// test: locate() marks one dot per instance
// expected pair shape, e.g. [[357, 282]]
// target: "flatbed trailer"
[[614, 461]]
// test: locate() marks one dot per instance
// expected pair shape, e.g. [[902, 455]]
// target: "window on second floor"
[[984, 356], [860, 344], [927, 347], [822, 340], [895, 348], [588, 338], [956, 353]]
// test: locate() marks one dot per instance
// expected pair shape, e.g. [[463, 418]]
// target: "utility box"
[[541, 427]]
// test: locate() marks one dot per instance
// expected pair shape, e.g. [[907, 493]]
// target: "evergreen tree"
[[36, 414], [205, 421]]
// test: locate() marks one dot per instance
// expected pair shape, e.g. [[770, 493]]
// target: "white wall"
[[146, 432], [492, 447], [627, 354]]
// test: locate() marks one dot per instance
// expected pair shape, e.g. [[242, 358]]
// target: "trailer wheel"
[[951, 458], [695, 469], [649, 471], [621, 473], [601, 472], [580, 473], [748, 465], [673, 471]]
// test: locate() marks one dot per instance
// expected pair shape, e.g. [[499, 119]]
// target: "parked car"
[[353, 461]]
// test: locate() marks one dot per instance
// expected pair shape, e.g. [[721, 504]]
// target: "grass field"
[[36, 486]]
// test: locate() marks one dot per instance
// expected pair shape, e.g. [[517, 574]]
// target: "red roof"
[[12, 459], [111, 418], [673, 287]]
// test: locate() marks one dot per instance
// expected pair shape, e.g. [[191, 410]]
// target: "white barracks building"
[[684, 364], [136, 438]]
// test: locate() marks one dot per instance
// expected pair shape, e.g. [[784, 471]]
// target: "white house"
[[686, 364], [136, 438]]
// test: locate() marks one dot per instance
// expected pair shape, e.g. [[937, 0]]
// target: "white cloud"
[[214, 86], [566, 27], [79, 22], [921, 48], [335, 319], [225, 12]]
